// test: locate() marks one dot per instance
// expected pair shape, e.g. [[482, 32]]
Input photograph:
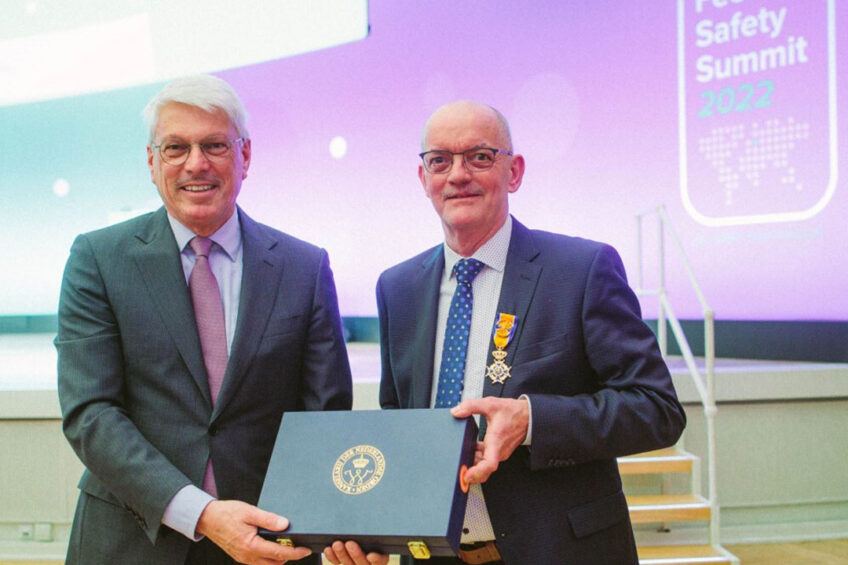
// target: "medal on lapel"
[[498, 371]]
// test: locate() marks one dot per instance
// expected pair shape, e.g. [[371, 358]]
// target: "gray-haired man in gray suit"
[[136, 402]]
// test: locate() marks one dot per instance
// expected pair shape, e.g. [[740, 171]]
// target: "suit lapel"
[[158, 259], [521, 276], [425, 293], [262, 269]]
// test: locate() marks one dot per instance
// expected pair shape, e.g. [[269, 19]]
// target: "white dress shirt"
[[486, 291]]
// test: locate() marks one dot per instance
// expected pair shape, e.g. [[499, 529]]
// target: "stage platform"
[[777, 421], [28, 377]]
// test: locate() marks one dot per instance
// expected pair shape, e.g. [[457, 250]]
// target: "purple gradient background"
[[590, 90]]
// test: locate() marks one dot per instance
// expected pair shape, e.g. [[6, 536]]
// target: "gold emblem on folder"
[[359, 469]]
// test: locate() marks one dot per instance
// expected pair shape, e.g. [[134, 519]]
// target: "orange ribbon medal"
[[498, 371]]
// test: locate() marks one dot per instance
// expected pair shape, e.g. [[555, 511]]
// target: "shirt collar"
[[492, 253], [228, 236]]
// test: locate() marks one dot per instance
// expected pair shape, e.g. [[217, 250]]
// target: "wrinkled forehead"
[[184, 121]]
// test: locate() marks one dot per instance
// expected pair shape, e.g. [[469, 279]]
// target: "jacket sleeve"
[[631, 405], [388, 392], [326, 379], [92, 395]]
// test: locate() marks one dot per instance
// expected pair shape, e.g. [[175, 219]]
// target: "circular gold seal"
[[359, 469]]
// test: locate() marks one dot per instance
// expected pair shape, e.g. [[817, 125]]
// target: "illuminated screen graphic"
[[724, 111], [757, 109], [54, 49]]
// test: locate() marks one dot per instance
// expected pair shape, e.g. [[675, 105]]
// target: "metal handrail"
[[705, 385]]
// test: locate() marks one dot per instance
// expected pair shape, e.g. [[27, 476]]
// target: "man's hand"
[[507, 420], [349, 553], [233, 526]]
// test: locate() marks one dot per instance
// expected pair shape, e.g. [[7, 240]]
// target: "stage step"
[[668, 508], [682, 555], [670, 460]]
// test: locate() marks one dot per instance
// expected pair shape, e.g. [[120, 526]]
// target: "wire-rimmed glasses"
[[176, 152]]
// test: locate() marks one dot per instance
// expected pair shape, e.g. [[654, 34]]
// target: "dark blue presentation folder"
[[388, 479]]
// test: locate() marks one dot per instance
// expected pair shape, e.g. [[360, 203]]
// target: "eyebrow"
[[463, 151], [208, 137]]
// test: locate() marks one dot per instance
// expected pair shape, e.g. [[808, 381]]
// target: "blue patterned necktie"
[[452, 368]]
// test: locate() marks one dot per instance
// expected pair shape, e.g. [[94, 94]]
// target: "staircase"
[[663, 503], [665, 509]]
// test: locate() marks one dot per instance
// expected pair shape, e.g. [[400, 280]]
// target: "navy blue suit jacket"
[[133, 389], [598, 386]]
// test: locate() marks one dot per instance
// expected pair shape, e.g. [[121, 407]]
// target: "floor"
[[828, 552]]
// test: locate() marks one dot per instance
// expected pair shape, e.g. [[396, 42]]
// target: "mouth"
[[461, 195], [197, 187]]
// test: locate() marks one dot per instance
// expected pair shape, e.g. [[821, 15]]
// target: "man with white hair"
[[184, 335]]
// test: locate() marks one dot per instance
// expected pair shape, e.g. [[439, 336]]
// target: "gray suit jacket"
[[596, 380], [133, 388]]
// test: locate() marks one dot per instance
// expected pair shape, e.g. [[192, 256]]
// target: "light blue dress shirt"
[[225, 260]]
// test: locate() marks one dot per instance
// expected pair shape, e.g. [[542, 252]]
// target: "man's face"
[[470, 203], [201, 193]]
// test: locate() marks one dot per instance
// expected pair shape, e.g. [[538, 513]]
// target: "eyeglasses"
[[475, 159], [177, 152]]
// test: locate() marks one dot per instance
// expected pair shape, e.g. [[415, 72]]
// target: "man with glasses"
[[184, 335], [539, 335]]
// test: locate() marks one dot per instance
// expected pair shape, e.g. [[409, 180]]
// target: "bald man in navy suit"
[[560, 368]]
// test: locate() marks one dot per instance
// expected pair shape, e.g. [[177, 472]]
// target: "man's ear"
[[245, 153], [150, 162], [423, 180], [516, 172]]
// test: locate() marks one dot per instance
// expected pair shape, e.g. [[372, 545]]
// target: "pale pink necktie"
[[209, 313]]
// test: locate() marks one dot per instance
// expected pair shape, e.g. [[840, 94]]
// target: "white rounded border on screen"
[[716, 221]]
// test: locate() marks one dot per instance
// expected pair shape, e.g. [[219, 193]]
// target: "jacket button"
[[213, 430]]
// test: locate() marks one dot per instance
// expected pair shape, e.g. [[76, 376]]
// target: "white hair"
[[206, 92]]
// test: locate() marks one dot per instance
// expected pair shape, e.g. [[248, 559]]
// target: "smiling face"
[[472, 206], [200, 193]]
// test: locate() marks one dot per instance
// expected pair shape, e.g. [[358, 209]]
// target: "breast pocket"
[[282, 343], [280, 326], [540, 351], [555, 365]]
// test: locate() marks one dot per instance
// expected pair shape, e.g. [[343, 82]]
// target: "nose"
[[197, 159], [459, 173]]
